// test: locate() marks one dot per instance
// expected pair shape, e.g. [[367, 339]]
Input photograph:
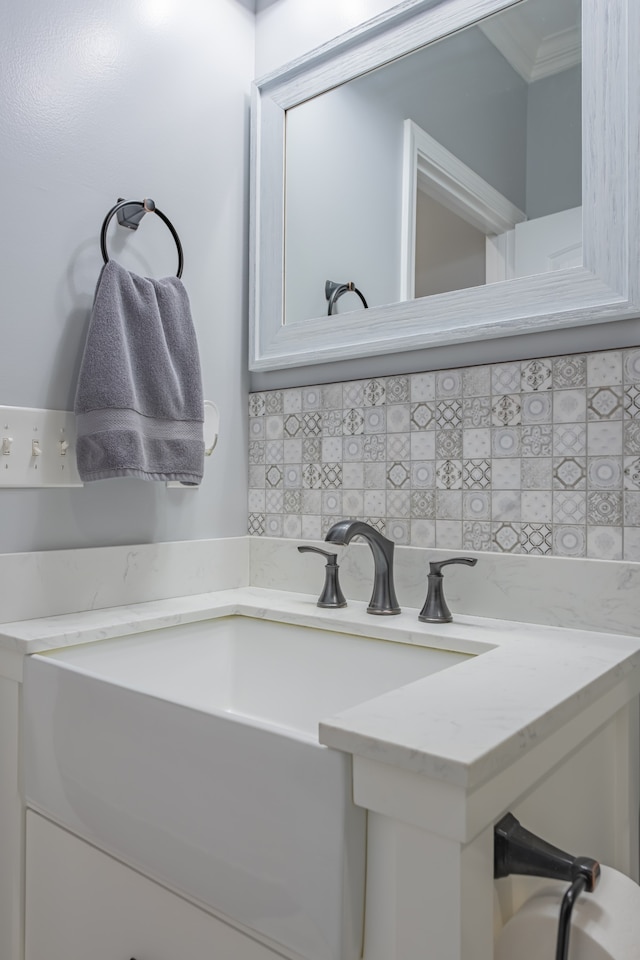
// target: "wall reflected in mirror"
[[452, 167]]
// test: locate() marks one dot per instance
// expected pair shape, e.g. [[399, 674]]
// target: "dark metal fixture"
[[435, 608], [517, 851], [333, 291], [130, 213], [383, 599], [332, 595]]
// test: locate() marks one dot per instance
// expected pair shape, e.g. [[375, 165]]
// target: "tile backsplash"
[[536, 456]]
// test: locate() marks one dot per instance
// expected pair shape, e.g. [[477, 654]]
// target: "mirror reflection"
[[454, 166]]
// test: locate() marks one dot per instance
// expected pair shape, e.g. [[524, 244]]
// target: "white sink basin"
[[191, 753]]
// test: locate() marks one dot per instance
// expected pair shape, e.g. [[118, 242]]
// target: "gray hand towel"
[[139, 406]]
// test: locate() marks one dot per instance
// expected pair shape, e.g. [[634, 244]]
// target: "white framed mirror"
[[288, 332]]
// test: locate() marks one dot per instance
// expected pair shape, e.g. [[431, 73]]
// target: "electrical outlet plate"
[[37, 448]]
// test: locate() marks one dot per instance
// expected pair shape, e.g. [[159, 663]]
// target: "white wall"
[[126, 98]]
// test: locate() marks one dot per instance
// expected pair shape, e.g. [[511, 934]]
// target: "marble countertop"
[[462, 725]]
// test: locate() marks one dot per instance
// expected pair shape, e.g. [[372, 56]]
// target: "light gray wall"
[[126, 98], [554, 143]]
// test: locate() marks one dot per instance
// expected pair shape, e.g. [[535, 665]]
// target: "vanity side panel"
[[11, 823]]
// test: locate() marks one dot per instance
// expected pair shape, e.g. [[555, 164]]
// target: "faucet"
[[383, 599]]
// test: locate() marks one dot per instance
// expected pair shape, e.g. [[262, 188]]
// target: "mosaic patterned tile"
[[476, 474], [569, 473], [506, 411], [604, 473], [604, 543], [537, 506], [604, 369], [448, 444], [540, 457], [423, 416], [569, 506], [311, 449], [537, 474], [256, 524], [537, 440], [604, 403], [537, 407], [291, 526], [374, 447], [632, 366], [375, 420], [257, 404], [536, 375], [448, 413], [505, 441], [476, 535], [449, 504], [506, 505], [398, 390], [604, 507], [449, 384], [604, 437], [569, 439], [449, 534], [505, 537], [398, 475], [631, 436], [476, 412], [422, 386], [423, 533], [569, 372], [423, 445], [449, 474], [331, 503], [632, 508], [398, 418], [423, 474], [331, 449], [505, 378], [631, 473], [274, 501], [331, 423], [311, 398], [398, 503], [476, 505], [569, 406], [373, 392], [570, 541], [423, 504], [399, 530], [273, 402], [292, 475], [536, 539], [632, 402], [311, 527], [476, 382], [331, 396], [291, 401], [398, 446]]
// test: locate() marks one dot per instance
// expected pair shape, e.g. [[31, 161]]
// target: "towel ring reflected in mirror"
[[131, 218]]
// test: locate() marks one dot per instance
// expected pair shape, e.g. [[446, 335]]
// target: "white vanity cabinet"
[[81, 904]]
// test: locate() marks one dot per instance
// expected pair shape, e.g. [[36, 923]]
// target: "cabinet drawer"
[[83, 905]]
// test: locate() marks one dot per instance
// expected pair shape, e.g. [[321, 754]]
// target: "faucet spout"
[[383, 599]]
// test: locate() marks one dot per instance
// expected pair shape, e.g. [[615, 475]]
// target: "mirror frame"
[[605, 288]]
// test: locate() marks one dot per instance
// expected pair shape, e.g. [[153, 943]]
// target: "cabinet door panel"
[[83, 905]]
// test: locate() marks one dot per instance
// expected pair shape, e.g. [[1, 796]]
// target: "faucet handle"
[[435, 608], [436, 566], [332, 595]]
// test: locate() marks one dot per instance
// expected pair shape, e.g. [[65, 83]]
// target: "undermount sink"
[[191, 753]]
